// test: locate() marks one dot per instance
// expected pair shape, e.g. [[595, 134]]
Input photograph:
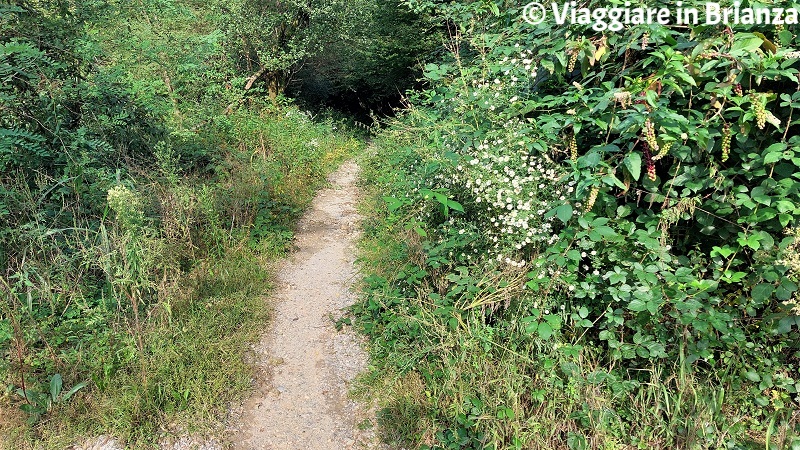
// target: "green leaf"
[[637, 305], [606, 335], [55, 386], [590, 159], [75, 389], [393, 204], [725, 251], [762, 292], [554, 320], [545, 330], [784, 206], [759, 195], [785, 290], [685, 77], [785, 325], [752, 241], [772, 158], [611, 180], [564, 212], [605, 231], [548, 64], [746, 43], [753, 376], [733, 277], [452, 204], [777, 147], [633, 162]]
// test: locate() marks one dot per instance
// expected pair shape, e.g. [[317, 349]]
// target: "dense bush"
[[609, 218]]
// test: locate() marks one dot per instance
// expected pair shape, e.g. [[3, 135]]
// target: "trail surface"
[[304, 364]]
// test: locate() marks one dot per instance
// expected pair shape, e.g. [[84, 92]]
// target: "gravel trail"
[[304, 364]]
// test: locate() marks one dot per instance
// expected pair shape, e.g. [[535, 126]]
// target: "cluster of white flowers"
[[507, 171], [523, 60], [127, 205], [514, 187], [493, 91]]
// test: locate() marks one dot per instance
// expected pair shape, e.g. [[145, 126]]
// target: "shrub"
[[644, 180]]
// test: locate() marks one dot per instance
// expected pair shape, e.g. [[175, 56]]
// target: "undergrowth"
[[145, 189], [158, 304], [588, 238], [462, 377]]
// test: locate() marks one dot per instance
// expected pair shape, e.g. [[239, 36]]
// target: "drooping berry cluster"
[[573, 147], [738, 90], [650, 135], [663, 152], [759, 108], [573, 59], [645, 41], [592, 198], [651, 166], [726, 141]]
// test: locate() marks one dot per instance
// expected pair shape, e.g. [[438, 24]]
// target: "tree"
[[380, 63], [270, 39]]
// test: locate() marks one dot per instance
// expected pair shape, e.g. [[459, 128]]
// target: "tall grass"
[[155, 303]]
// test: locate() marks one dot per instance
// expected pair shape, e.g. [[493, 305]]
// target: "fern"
[[17, 146]]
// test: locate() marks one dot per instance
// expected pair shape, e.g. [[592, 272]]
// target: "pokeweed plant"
[[646, 180]]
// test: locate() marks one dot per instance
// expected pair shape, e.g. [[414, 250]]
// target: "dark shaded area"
[[369, 74]]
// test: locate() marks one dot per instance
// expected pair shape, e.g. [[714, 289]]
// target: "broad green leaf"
[[762, 292], [564, 212], [452, 204], [611, 180], [55, 386], [773, 157], [753, 376], [545, 330], [633, 162], [746, 43], [637, 305], [725, 251]]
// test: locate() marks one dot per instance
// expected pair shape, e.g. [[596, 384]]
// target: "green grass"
[[192, 366], [202, 264]]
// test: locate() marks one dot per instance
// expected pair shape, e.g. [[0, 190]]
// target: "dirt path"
[[304, 364]]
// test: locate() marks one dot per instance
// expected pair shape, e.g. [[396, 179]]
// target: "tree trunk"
[[255, 77], [276, 84]]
